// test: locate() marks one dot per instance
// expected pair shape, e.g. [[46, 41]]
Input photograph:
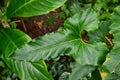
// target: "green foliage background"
[[90, 59]]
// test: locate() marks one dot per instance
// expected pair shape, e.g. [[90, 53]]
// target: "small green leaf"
[[62, 15], [51, 19], [116, 15], [64, 76], [95, 75], [73, 6], [1, 64]]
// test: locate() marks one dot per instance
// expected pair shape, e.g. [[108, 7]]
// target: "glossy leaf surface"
[[12, 39], [68, 42], [28, 8], [112, 63], [80, 71], [99, 34]]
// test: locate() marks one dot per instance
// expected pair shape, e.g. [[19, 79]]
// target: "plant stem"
[[5, 24], [3, 20], [24, 25], [110, 42]]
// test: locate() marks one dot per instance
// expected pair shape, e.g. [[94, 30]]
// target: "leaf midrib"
[[38, 70], [9, 38], [22, 6], [50, 46], [116, 66], [24, 62]]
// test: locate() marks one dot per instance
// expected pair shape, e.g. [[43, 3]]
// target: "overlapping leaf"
[[112, 63], [27, 8], [73, 6], [112, 77], [80, 71], [30, 70], [99, 34], [12, 39], [66, 42]]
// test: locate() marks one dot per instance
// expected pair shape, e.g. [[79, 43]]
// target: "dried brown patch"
[[38, 25]]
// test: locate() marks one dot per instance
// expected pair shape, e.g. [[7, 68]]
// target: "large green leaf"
[[85, 20], [67, 41], [12, 39], [112, 77], [92, 54], [112, 63], [30, 70], [49, 46], [80, 71], [27, 8]]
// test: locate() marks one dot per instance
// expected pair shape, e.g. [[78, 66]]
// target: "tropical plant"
[[12, 39], [83, 38]]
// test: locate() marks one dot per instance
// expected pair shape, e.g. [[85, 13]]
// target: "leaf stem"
[[110, 42], [24, 25], [3, 20]]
